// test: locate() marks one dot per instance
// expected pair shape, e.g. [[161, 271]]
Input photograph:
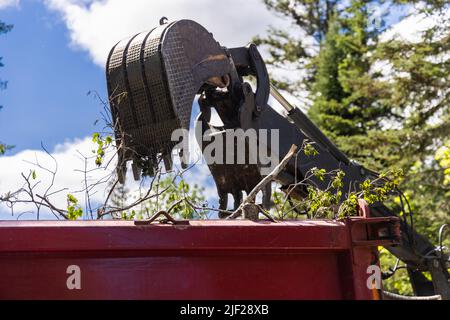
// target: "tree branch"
[[251, 196]]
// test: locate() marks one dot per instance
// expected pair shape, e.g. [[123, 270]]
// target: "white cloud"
[[68, 161], [70, 175], [8, 3], [412, 27], [95, 26]]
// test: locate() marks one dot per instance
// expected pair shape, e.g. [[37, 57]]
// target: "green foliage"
[[320, 203], [319, 173], [179, 196], [102, 144], [173, 194], [327, 85], [4, 148], [74, 211], [131, 216], [373, 192], [384, 120], [310, 18], [333, 203], [345, 92], [308, 149], [419, 94], [443, 158], [399, 282], [336, 183]]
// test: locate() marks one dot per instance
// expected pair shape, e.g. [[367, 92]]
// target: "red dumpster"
[[191, 260]]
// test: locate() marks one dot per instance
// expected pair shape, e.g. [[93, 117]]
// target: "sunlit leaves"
[[74, 210], [102, 144], [336, 183], [319, 173], [443, 158], [309, 150]]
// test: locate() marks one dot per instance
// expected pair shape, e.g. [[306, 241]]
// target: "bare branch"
[[251, 196]]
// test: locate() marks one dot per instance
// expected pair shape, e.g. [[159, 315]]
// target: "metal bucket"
[[152, 79]]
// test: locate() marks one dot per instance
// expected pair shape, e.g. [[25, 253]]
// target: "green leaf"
[[95, 137], [319, 173], [309, 150], [71, 199], [74, 212]]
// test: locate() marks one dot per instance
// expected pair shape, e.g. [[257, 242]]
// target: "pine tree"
[[419, 92], [396, 120], [297, 46], [327, 87], [346, 104]]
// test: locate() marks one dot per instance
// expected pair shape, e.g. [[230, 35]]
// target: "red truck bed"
[[196, 260]]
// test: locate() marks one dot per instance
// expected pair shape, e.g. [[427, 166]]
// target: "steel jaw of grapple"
[[152, 80]]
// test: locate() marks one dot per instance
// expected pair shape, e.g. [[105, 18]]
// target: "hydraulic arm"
[[153, 78]]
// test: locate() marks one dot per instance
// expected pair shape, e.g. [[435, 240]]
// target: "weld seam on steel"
[[108, 84], [127, 83], [163, 67], [144, 76]]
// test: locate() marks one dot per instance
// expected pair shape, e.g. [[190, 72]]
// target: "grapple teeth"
[[168, 164], [121, 173], [237, 196], [136, 171], [152, 80], [267, 194]]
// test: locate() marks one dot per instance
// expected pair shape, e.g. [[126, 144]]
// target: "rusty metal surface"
[[200, 260], [152, 80], [146, 118], [49, 236]]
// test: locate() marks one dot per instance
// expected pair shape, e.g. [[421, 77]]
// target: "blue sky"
[[48, 81], [49, 74], [55, 55], [50, 70]]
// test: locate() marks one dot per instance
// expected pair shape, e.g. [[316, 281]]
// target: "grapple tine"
[[153, 78]]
